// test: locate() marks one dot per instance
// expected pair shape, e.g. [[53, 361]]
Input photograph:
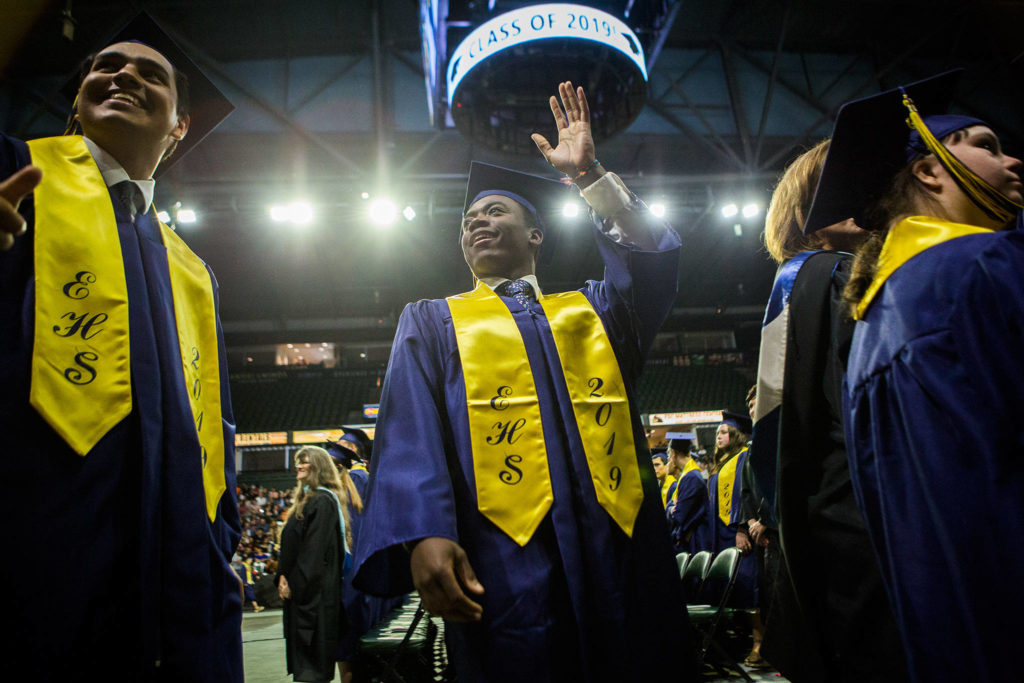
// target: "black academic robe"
[[827, 552], [312, 557]]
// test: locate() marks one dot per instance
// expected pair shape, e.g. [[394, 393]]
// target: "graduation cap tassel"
[[994, 203]]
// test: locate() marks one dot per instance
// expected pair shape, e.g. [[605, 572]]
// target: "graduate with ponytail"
[[935, 378]]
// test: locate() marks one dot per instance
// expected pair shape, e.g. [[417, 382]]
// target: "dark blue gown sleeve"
[[415, 471]]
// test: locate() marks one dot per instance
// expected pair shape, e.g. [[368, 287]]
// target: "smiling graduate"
[[511, 482], [115, 410]]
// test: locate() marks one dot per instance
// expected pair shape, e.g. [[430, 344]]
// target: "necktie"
[[129, 195], [521, 291]]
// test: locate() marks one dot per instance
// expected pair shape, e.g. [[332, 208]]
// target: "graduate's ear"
[[536, 237], [928, 171]]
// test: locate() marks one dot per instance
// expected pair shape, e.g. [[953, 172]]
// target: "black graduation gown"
[[827, 552], [312, 557]]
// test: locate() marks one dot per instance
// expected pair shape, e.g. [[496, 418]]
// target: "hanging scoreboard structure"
[[490, 65]]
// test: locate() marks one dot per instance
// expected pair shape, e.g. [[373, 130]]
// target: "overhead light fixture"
[[297, 213], [163, 216], [383, 211], [409, 213], [658, 209], [730, 210], [570, 209], [750, 210], [186, 216], [738, 230]]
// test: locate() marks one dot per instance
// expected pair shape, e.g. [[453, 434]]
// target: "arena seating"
[[303, 398], [278, 398]]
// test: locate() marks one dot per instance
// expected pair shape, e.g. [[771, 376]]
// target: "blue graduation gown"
[[114, 565], [935, 392], [744, 593], [581, 600], [688, 514]]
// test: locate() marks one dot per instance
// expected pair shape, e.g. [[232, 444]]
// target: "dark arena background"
[[331, 197]]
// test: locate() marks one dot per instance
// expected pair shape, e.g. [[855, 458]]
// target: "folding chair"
[[715, 591], [681, 559], [693, 575]]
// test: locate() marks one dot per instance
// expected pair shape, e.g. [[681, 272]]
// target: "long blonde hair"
[[322, 473], [791, 201]]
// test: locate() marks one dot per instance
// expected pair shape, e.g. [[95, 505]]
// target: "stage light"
[[186, 216], [163, 217], [738, 230], [365, 195], [658, 209], [750, 210], [297, 213], [302, 212], [730, 210], [409, 213], [383, 211], [570, 209]]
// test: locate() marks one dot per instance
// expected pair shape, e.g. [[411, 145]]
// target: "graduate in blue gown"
[[575, 597], [935, 378], [118, 565], [725, 504], [687, 509]]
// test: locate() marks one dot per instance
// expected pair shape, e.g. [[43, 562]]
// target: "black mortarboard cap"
[[868, 148], [542, 197], [681, 441], [208, 105], [738, 420], [359, 438]]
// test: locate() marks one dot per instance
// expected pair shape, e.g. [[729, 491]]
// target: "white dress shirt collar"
[[113, 172], [495, 282]]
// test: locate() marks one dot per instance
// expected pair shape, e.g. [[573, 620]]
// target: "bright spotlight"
[[365, 195], [163, 217], [409, 213], [658, 209], [301, 212], [297, 212], [383, 211], [570, 209], [750, 210], [730, 210], [186, 216]]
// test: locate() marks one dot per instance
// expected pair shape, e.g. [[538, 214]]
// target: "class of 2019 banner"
[[540, 22]]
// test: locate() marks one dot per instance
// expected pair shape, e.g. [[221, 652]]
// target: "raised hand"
[[12, 191], [575, 150]]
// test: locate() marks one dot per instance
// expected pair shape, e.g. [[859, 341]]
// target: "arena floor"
[[263, 650]]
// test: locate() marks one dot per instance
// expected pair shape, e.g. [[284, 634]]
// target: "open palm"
[[575, 150]]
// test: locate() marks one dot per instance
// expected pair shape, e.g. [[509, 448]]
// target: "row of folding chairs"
[[707, 584]]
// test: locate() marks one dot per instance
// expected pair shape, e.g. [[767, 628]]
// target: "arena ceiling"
[[331, 104]]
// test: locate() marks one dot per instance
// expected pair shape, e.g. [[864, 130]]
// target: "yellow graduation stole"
[[666, 484], [726, 483], [513, 484], [905, 240], [690, 466], [81, 374]]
